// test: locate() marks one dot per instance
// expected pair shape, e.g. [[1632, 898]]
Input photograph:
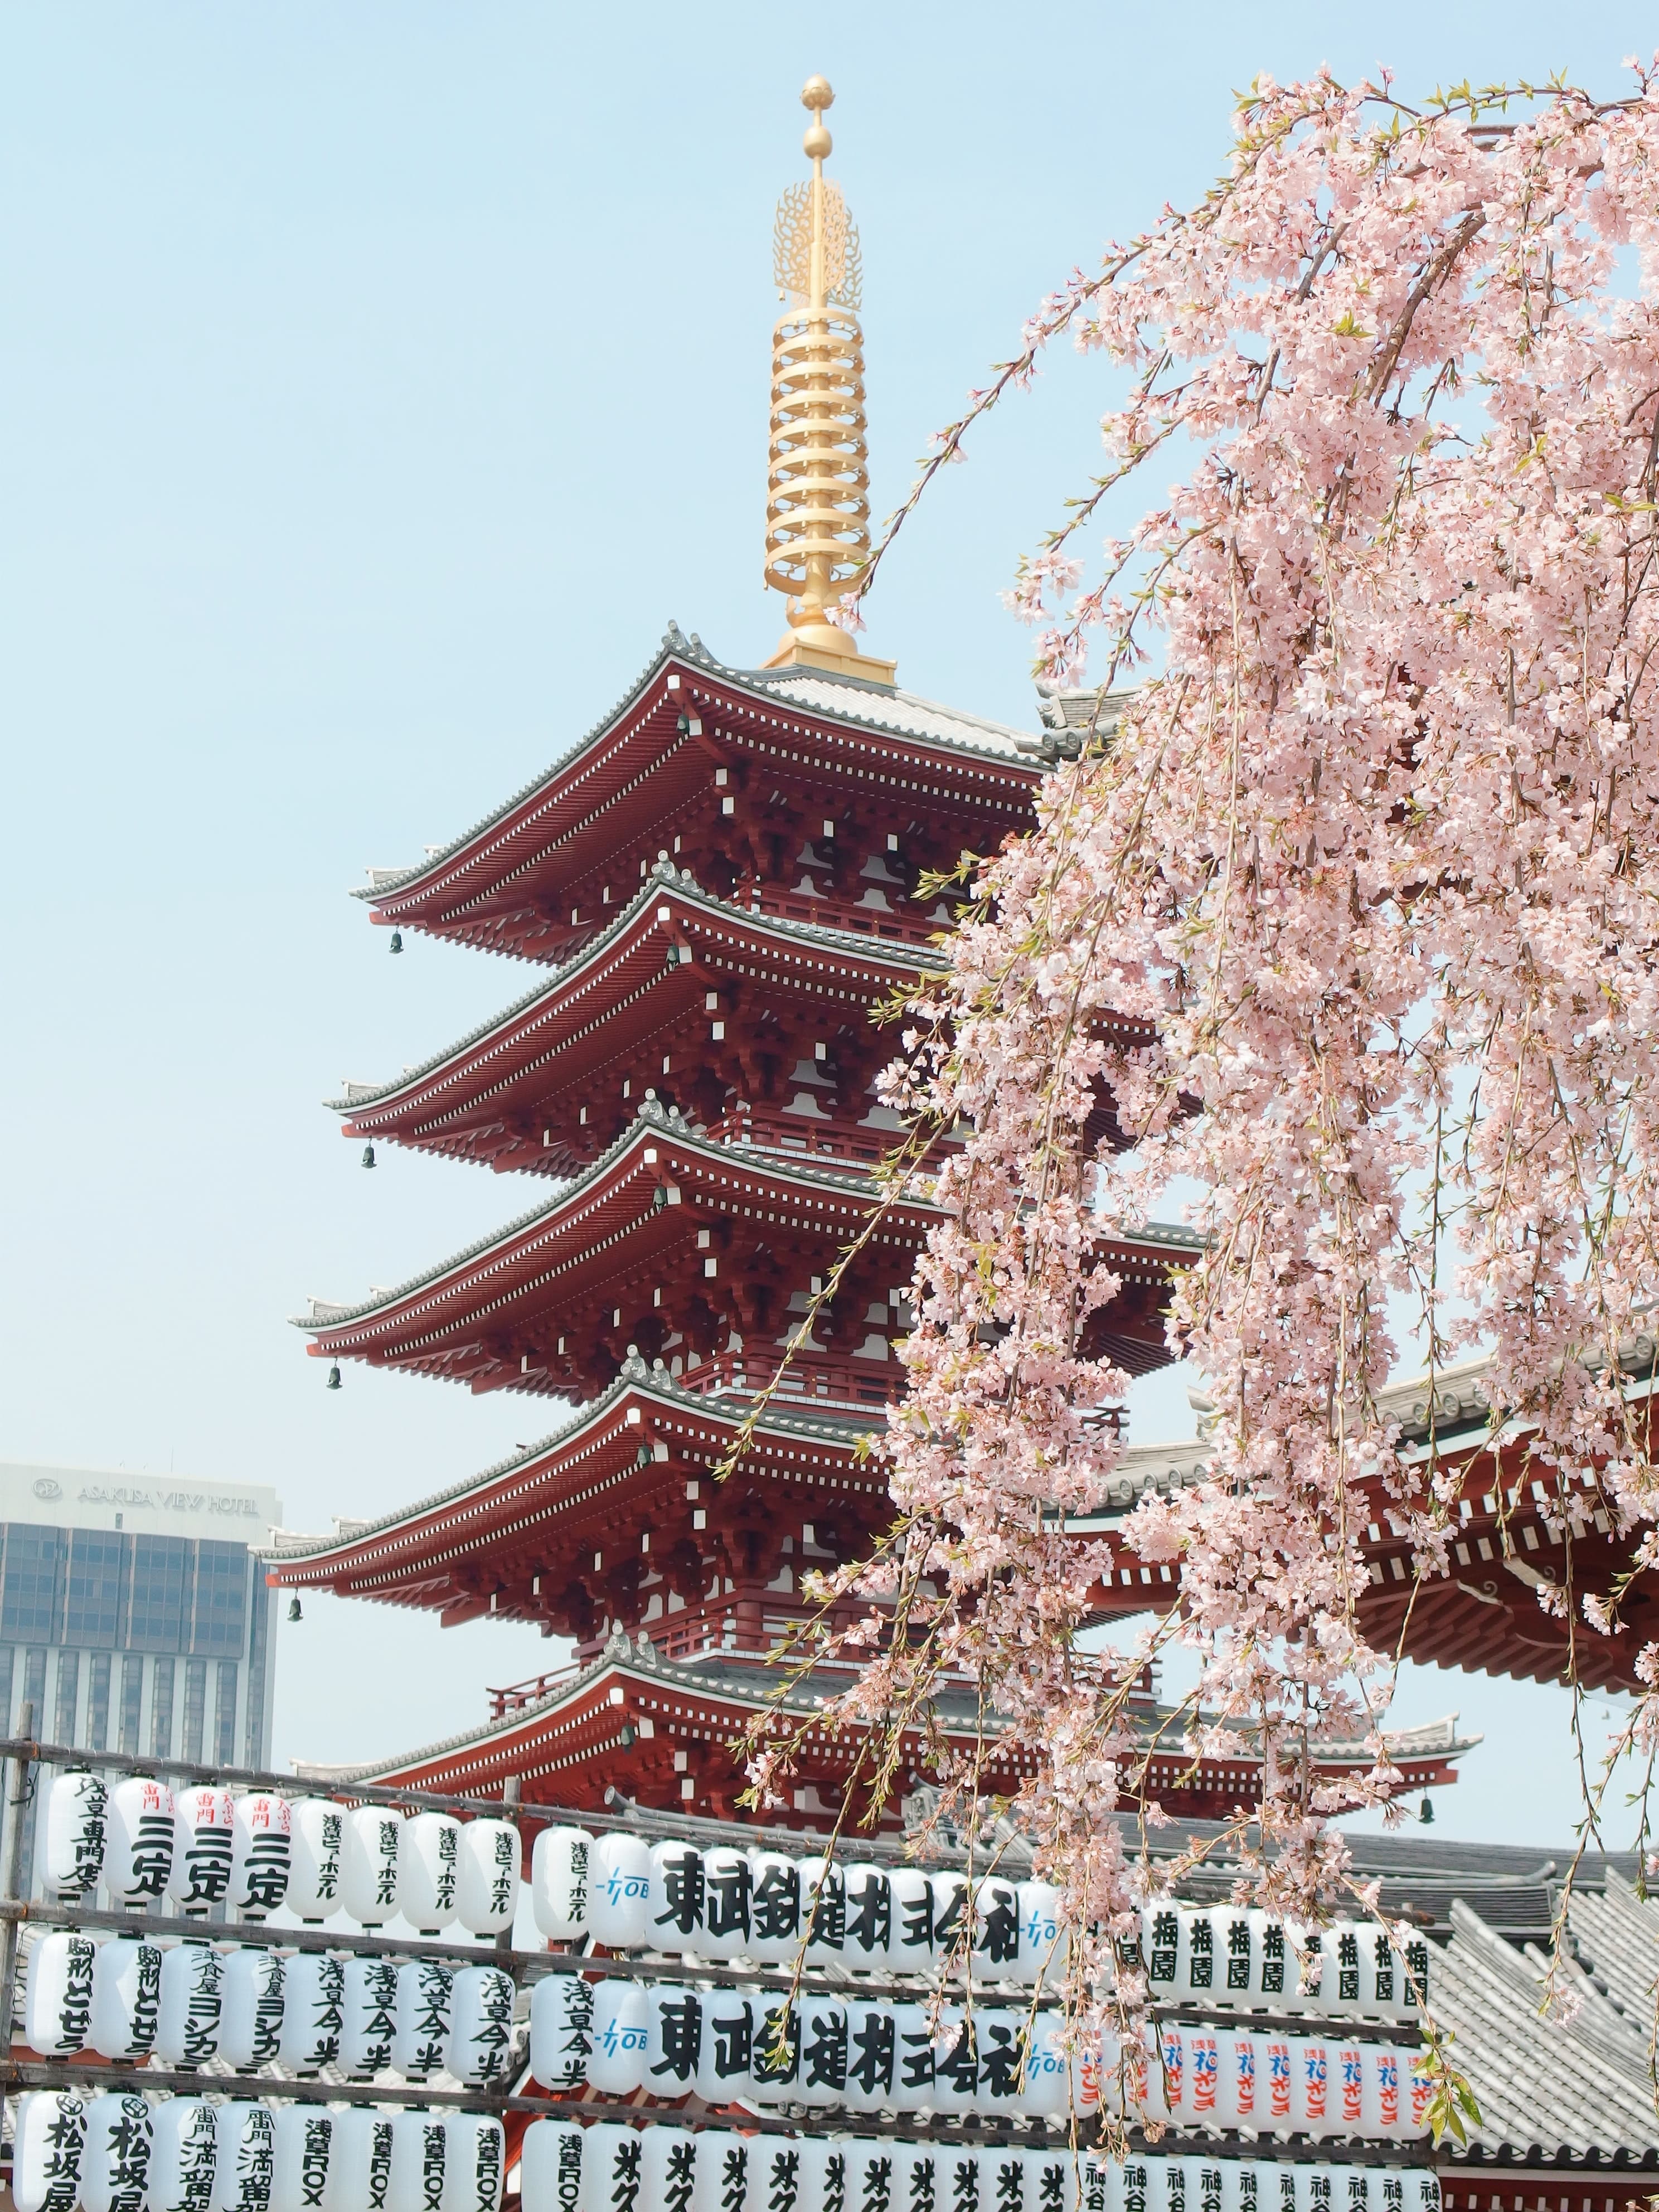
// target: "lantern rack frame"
[[26, 1754]]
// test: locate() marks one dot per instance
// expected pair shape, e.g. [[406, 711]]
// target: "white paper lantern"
[[1166, 2072], [913, 2057], [72, 1841], [421, 2039], [869, 1916], [475, 2163], [956, 2181], [952, 1919], [1386, 2092], [560, 1865], [821, 2080], [138, 1842], [1351, 2189], [725, 2062], [183, 2155], [774, 2056], [1310, 2085], [360, 2162], [1048, 2090], [1347, 2087], [1203, 2075], [869, 2057], [910, 1926], [1241, 2082], [1134, 2189], [368, 2016], [1422, 2189], [610, 2170], [203, 1840], [368, 1864], [1315, 2187], [1420, 2094], [1273, 1961], [1200, 1973], [673, 2038], [1161, 1950], [1044, 1939], [48, 2138], [668, 2170], [868, 2186], [774, 1923], [915, 2178], [193, 1986], [251, 2009], [480, 2026], [419, 2161], [728, 1881], [1004, 2060], [996, 1930], [261, 1850], [316, 1840], [1241, 2188], [58, 2006], [676, 1912], [773, 2179], [428, 1856], [487, 1883], [551, 2167], [956, 2063], [823, 1912], [561, 2030], [1211, 2185], [115, 2159], [616, 2065], [126, 1996], [1280, 2061], [313, 2012], [244, 2157], [302, 2150], [722, 2172], [619, 1902]]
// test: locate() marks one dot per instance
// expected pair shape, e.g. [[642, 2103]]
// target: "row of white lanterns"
[[253, 1854], [202, 1848], [126, 2153], [622, 2037], [612, 2168], [128, 1999]]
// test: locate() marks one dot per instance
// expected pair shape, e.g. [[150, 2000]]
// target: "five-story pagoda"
[[719, 884]]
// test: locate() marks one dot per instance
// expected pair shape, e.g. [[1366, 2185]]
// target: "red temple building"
[[718, 886]]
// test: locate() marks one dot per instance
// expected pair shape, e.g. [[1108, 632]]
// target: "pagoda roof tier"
[[1487, 1612], [662, 1733], [736, 772], [746, 1021], [615, 1519], [704, 1252]]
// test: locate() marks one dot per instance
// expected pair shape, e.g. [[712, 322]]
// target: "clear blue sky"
[[375, 383]]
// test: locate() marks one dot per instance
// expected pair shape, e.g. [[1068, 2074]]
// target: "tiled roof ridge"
[[635, 1375], [663, 877], [650, 1118], [760, 683]]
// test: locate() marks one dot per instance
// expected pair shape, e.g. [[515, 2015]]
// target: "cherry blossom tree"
[[1368, 858]]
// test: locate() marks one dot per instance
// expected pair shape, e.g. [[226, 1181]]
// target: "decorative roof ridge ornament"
[[818, 509]]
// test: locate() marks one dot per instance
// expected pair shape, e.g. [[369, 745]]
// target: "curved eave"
[[651, 1133], [462, 870], [398, 1549], [465, 1066]]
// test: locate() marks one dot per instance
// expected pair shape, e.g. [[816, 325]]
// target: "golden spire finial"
[[817, 514]]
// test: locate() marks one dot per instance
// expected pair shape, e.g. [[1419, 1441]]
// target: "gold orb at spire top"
[[818, 515]]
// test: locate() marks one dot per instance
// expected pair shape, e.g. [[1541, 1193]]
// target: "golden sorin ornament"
[[818, 513]]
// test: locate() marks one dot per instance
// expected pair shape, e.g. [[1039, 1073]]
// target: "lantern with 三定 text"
[[262, 1842], [138, 1842], [204, 1839]]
